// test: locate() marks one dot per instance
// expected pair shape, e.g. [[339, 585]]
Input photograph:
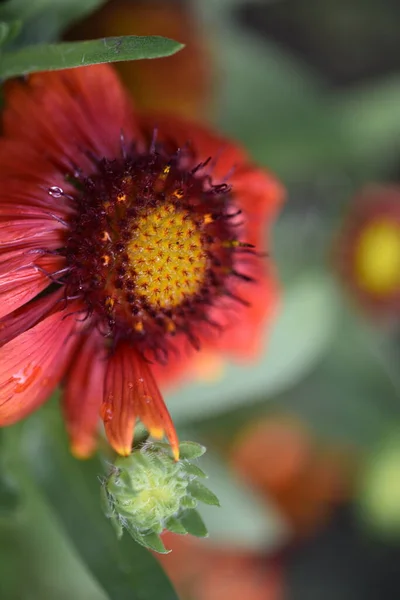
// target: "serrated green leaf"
[[192, 469], [48, 57], [190, 450], [202, 493], [175, 526], [193, 523]]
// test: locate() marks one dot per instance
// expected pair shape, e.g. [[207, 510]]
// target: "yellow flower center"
[[167, 256], [377, 258]]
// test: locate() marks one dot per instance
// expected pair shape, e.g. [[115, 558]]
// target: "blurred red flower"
[[180, 84], [367, 251], [128, 242]]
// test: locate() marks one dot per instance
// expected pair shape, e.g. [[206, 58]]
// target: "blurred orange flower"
[[200, 572], [279, 458], [367, 251], [180, 84]]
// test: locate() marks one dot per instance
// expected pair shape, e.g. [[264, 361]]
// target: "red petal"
[[131, 391], [244, 335], [27, 316], [117, 410], [64, 113], [152, 409], [259, 195], [37, 232], [179, 132], [27, 182], [20, 286], [14, 260], [84, 393], [32, 364]]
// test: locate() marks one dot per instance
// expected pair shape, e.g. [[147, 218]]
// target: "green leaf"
[[175, 526], [202, 493], [193, 470], [188, 502], [45, 20], [123, 568], [65, 55], [193, 523], [152, 540], [33, 542], [299, 339], [191, 450], [10, 492], [8, 31], [9, 495]]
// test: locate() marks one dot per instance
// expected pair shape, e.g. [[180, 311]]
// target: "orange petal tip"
[[175, 452], [156, 432], [123, 450], [82, 450]]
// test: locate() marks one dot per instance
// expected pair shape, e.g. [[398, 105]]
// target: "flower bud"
[[149, 492]]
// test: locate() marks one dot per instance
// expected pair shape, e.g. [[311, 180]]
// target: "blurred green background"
[[303, 445]]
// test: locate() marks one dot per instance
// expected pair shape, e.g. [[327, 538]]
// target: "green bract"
[[149, 492]]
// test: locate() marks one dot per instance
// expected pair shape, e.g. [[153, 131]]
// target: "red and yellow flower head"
[[368, 250], [129, 242]]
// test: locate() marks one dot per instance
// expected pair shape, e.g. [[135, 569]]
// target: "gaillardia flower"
[[126, 239], [368, 250]]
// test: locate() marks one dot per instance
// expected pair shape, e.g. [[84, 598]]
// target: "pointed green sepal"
[[192, 469], [193, 523], [191, 450], [202, 493], [175, 526]]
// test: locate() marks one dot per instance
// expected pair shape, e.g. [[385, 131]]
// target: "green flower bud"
[[148, 492]]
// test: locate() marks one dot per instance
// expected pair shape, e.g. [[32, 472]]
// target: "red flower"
[[281, 459], [367, 252], [122, 245]]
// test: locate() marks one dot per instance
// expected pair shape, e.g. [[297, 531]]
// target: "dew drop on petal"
[[25, 377], [107, 415], [56, 191], [107, 411]]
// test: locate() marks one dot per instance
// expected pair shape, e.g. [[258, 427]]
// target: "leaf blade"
[[66, 55], [125, 570]]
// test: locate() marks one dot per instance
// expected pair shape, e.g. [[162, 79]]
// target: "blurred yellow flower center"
[[377, 259], [167, 256]]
